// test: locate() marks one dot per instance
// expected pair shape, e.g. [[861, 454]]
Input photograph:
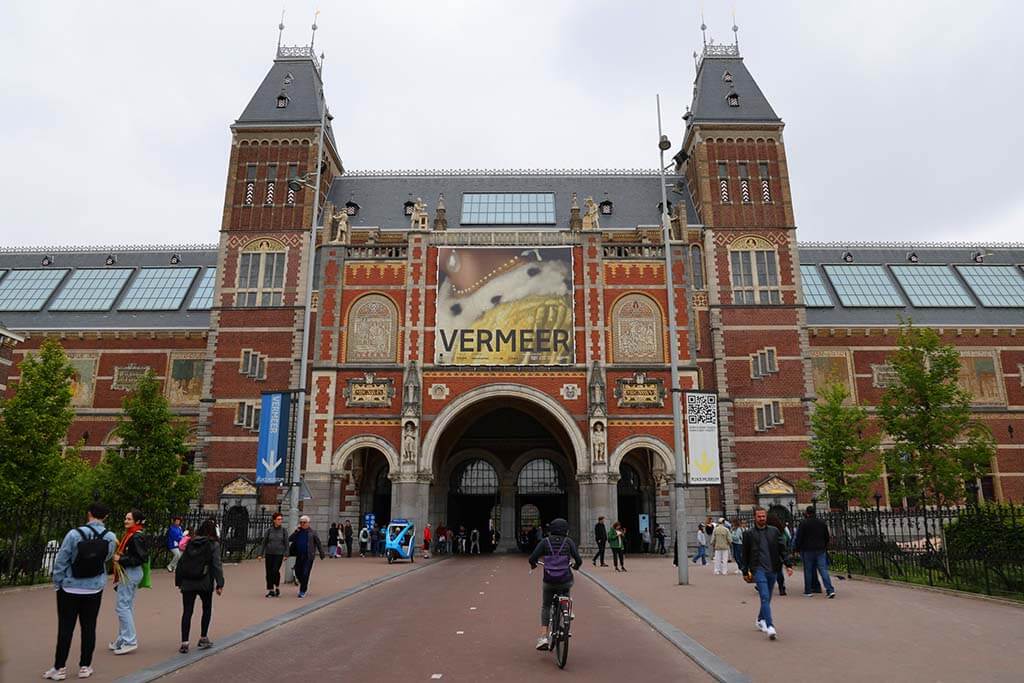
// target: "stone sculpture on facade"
[[409, 442], [598, 442], [411, 386], [591, 215], [597, 393], [575, 222], [418, 220], [339, 227]]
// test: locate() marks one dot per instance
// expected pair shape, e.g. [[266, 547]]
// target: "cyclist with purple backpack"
[[555, 551]]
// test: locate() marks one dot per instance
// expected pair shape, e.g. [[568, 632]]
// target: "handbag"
[[147, 579], [293, 549]]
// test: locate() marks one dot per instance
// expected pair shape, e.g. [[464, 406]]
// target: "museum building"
[[493, 347]]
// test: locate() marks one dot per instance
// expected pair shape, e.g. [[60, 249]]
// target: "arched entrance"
[[473, 500], [361, 473], [636, 496], [540, 498]]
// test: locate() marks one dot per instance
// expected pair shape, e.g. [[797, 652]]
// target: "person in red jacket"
[[426, 541]]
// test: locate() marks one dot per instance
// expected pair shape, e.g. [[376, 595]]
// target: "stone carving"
[[339, 227], [597, 393], [239, 487], [636, 330], [127, 376], [575, 222], [882, 375], [439, 392], [640, 391], [372, 330], [409, 442], [411, 384], [440, 214], [591, 213], [418, 219], [368, 391], [598, 442], [570, 392]]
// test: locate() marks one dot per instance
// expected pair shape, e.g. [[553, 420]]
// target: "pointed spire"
[[735, 30], [440, 214], [575, 221], [280, 30], [312, 37], [703, 28]]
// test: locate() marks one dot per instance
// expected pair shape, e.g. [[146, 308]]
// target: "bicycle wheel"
[[562, 645]]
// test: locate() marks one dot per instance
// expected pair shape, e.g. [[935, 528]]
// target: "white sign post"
[[703, 459]]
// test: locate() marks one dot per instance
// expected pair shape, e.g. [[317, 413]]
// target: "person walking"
[[736, 537], [615, 541], [174, 536], [811, 542], [474, 542], [307, 545], [659, 536], [601, 538], [702, 546], [364, 539], [273, 551], [79, 577], [347, 536], [198, 575], [773, 520], [427, 536], [721, 540], [764, 553], [332, 540], [645, 537], [132, 552]]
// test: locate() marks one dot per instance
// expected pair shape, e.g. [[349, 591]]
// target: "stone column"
[[507, 544], [410, 498], [597, 497]]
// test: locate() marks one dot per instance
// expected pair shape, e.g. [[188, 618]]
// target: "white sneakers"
[[760, 625], [542, 643], [84, 671], [56, 674], [125, 649], [771, 632]]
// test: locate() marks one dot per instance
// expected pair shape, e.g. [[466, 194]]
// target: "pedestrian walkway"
[[869, 631], [28, 629], [465, 620]]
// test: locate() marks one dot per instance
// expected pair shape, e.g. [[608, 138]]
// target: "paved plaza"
[[474, 619]]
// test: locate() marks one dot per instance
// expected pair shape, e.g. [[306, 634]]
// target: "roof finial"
[[735, 30], [280, 30], [312, 38], [703, 28]]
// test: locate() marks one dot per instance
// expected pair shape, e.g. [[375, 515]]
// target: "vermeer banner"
[[504, 306]]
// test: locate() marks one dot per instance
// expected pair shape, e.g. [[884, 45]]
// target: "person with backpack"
[[273, 551], [198, 574], [364, 539], [305, 544], [174, 536], [557, 549], [332, 540], [132, 552], [79, 577]]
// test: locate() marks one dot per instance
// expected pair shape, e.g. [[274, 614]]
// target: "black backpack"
[[195, 561], [91, 559]]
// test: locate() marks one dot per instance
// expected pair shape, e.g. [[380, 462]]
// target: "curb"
[[939, 589], [169, 666], [714, 665]]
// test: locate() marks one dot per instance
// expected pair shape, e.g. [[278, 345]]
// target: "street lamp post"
[[673, 336]]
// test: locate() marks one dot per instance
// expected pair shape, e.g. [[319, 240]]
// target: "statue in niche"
[[339, 227], [409, 442], [590, 215], [418, 219], [597, 393], [598, 442], [411, 402]]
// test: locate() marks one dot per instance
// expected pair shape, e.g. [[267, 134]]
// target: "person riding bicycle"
[[556, 550]]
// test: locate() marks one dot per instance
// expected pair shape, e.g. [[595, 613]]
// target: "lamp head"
[[663, 144]]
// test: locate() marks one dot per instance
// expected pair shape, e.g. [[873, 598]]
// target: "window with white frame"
[[261, 270], [247, 414], [763, 363], [253, 364], [767, 415], [755, 272]]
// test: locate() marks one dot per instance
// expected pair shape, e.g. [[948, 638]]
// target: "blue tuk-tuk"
[[400, 540]]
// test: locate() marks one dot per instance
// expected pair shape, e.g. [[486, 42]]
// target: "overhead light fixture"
[[913, 257], [848, 256], [664, 144]]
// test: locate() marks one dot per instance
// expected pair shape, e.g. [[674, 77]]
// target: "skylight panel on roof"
[[863, 286], [203, 298], [508, 208], [91, 289], [931, 286], [28, 290], [159, 289], [995, 286], [815, 293]]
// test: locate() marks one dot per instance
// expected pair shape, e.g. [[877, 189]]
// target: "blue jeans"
[[815, 560], [765, 582], [737, 556], [701, 554], [125, 607]]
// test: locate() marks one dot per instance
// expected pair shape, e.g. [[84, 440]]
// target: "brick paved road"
[[408, 630]]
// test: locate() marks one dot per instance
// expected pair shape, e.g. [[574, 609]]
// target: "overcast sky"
[[903, 119]]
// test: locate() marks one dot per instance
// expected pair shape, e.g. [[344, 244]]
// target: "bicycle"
[[560, 618]]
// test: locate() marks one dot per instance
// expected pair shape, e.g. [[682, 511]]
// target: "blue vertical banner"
[[273, 445]]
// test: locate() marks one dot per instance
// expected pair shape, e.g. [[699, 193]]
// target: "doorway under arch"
[[473, 495], [636, 491]]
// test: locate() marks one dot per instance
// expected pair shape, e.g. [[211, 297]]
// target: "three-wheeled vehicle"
[[400, 540]]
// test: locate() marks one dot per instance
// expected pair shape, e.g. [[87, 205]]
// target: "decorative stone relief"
[[368, 391], [882, 375], [439, 392], [640, 391], [239, 487], [636, 330], [570, 392], [372, 330], [597, 390], [409, 441], [127, 376], [411, 389], [598, 442]]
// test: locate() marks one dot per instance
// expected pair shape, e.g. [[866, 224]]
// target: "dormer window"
[[727, 77], [733, 100], [351, 208], [282, 101], [408, 207], [606, 208]]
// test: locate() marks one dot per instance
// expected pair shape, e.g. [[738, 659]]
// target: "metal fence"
[[30, 536], [977, 548]]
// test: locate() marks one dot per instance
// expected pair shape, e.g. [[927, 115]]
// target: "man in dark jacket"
[[764, 553], [307, 546], [601, 536], [812, 543]]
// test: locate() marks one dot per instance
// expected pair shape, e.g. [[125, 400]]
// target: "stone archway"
[[362, 470]]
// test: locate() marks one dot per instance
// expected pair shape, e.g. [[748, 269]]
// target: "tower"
[[256, 324], [755, 322]]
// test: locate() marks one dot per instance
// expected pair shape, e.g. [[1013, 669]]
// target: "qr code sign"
[[701, 409]]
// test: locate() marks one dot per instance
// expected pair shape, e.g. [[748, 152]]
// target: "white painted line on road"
[[481, 592], [472, 608], [460, 633], [436, 675]]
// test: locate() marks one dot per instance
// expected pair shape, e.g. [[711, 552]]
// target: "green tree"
[[839, 455], [34, 424], [145, 469], [937, 445]]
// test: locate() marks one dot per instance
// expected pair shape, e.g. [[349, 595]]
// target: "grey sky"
[[902, 118]]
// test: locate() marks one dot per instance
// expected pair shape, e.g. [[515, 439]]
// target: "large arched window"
[[755, 271], [637, 330], [541, 477], [261, 269], [372, 330], [475, 478]]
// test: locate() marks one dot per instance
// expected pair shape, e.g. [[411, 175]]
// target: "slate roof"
[[635, 196], [203, 257], [710, 91], [819, 254]]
